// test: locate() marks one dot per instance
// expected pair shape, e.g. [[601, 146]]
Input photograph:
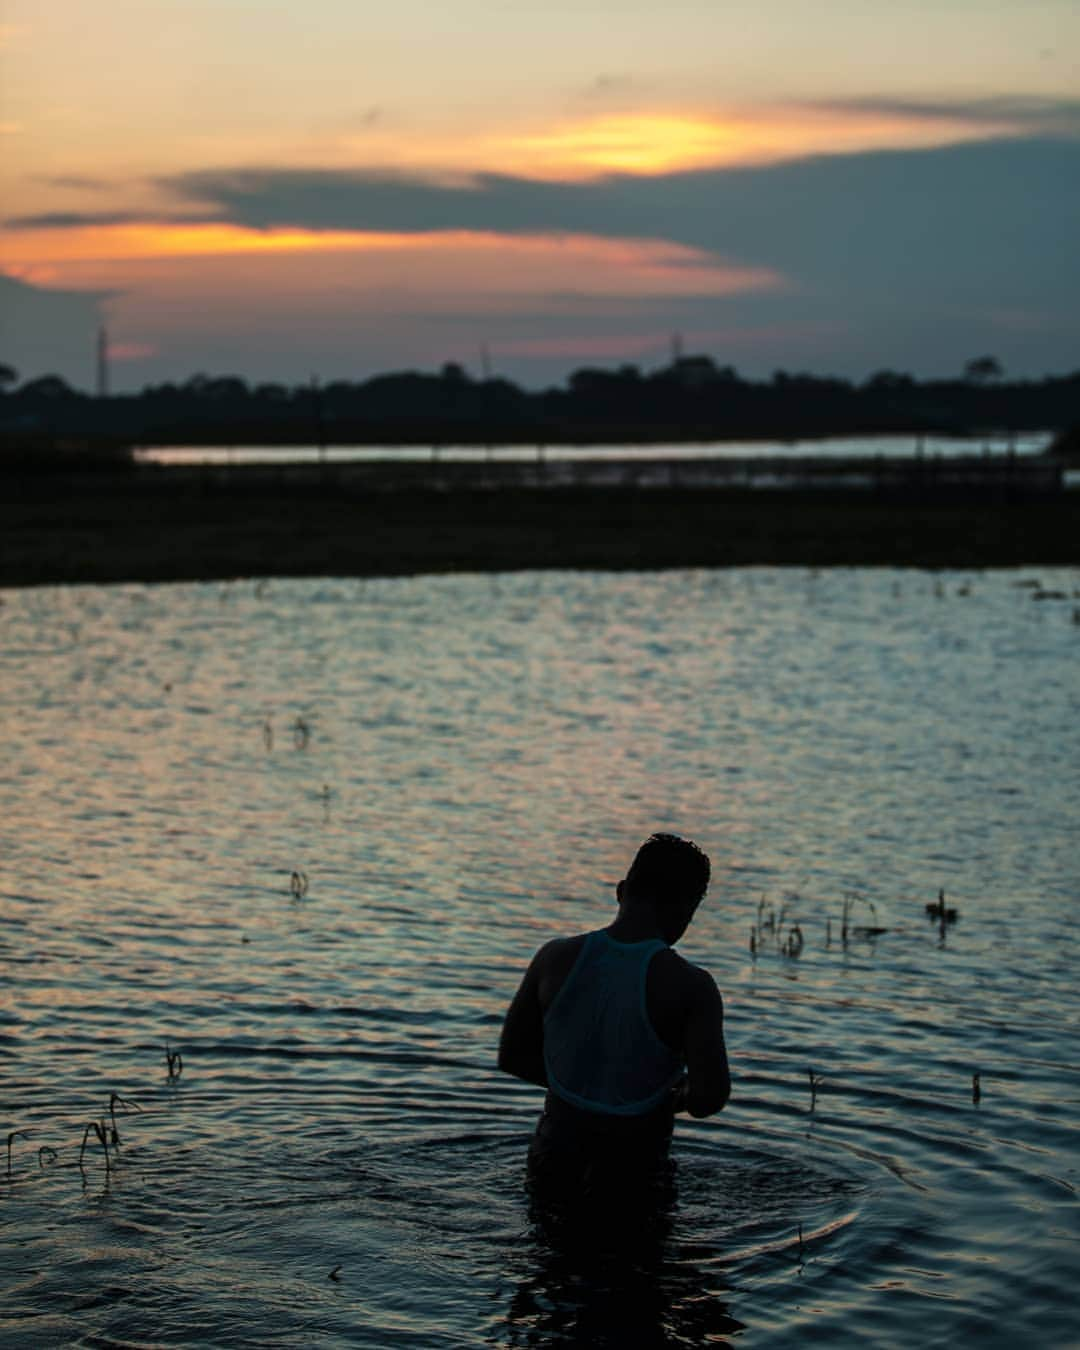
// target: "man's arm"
[[707, 1085], [521, 1045]]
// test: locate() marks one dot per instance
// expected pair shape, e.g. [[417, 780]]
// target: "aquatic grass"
[[301, 733], [268, 734], [866, 930], [976, 1089], [815, 1082], [98, 1128], [788, 937], [298, 885], [12, 1136], [174, 1062], [945, 915], [127, 1108]]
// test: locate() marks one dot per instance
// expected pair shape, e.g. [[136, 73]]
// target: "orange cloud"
[[664, 142], [132, 351], [166, 240], [449, 262]]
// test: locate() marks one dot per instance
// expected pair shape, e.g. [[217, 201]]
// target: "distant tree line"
[[692, 398]]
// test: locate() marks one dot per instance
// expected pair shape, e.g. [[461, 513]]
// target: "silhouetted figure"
[[624, 1034]]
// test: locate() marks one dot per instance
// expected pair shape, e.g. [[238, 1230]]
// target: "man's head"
[[671, 874]]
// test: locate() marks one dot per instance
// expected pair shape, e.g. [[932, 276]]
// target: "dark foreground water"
[[460, 767]]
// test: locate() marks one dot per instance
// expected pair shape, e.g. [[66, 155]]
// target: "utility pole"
[[102, 363]]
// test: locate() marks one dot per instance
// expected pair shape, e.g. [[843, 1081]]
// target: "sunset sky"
[[339, 188]]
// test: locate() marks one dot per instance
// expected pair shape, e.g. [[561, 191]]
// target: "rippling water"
[[460, 767]]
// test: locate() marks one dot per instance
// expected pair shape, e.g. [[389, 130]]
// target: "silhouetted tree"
[[8, 376], [227, 388], [47, 386], [983, 369], [888, 381]]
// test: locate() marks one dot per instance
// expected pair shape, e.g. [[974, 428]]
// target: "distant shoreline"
[[167, 526]]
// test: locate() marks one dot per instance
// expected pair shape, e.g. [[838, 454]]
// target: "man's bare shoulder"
[[677, 974], [553, 962]]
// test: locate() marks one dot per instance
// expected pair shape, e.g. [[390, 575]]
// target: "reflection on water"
[[1026, 443], [456, 768], [613, 1283]]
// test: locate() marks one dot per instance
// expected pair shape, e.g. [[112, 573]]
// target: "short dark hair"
[[668, 867]]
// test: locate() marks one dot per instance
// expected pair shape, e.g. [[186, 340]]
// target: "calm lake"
[[457, 768], [996, 443]]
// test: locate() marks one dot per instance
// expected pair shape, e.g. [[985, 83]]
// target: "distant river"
[[454, 769], [840, 446]]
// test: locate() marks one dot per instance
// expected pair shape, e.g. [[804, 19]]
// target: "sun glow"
[[98, 255], [658, 143], [645, 144], [99, 243]]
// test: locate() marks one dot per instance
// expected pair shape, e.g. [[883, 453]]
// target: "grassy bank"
[[106, 532]]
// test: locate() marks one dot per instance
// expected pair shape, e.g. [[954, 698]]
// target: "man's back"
[[620, 1029], [683, 1006]]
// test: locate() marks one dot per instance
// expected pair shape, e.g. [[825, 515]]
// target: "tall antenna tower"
[[102, 363]]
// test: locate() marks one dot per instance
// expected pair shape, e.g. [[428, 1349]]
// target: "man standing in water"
[[622, 1031]]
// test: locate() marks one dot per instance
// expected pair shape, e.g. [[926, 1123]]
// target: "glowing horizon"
[[111, 118]]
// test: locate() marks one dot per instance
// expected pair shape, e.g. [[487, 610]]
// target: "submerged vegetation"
[[786, 934]]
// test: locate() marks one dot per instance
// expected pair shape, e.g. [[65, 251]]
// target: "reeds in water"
[[98, 1128], [174, 1062], [787, 934], [12, 1136], [866, 930], [126, 1108], [944, 914]]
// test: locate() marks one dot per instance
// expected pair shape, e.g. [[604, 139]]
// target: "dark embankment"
[[166, 526]]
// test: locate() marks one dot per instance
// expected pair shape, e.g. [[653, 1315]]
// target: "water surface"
[[1022, 443], [460, 767]]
